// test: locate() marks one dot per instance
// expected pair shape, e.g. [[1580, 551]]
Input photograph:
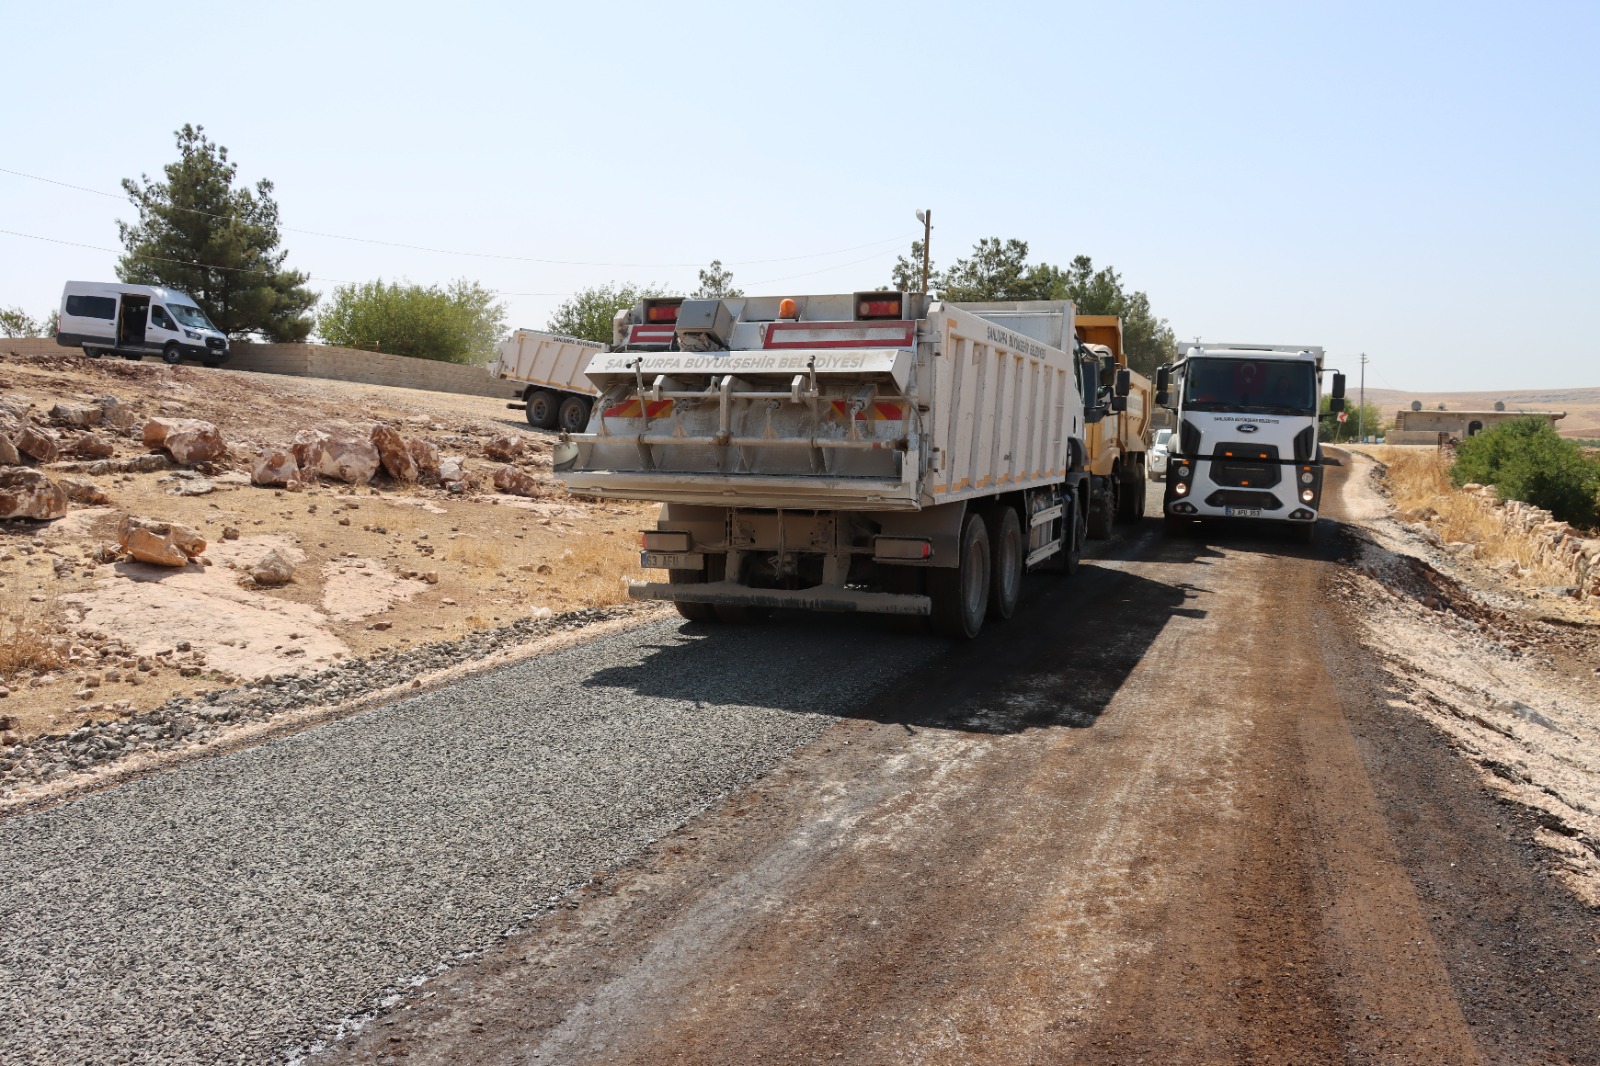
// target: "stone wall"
[[1556, 545], [326, 361]]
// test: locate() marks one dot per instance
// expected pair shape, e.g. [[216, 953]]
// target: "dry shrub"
[[29, 635], [1419, 481]]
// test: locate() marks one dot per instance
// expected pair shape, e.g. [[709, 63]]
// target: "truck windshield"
[[1265, 386], [190, 316]]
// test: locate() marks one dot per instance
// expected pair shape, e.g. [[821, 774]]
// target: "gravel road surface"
[[233, 909], [1165, 815]]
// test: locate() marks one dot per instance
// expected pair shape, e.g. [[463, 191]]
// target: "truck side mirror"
[[1163, 386], [1124, 384], [1119, 404], [1336, 403], [1338, 386]]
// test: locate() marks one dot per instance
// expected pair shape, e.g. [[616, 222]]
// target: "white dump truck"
[[549, 371], [1246, 442], [872, 452]]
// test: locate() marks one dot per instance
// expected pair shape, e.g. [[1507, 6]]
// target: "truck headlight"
[[191, 334], [1305, 478], [1180, 489], [1307, 495]]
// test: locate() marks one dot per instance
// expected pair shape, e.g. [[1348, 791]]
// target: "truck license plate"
[[672, 560], [1242, 512]]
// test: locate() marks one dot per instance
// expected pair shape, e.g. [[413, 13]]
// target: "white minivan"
[[137, 320]]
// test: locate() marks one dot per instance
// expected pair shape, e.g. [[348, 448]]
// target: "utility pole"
[[1361, 404], [926, 218]]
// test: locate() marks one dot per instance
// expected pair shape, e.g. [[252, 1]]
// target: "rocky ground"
[[380, 569]]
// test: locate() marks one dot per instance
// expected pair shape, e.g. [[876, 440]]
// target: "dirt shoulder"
[[378, 568]]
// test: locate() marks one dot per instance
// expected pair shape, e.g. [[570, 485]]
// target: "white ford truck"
[[874, 452], [1246, 440]]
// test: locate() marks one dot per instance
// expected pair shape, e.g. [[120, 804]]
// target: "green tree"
[[999, 270], [1368, 419], [716, 283], [1148, 340], [1525, 459], [589, 313], [198, 234], [456, 323], [15, 322], [907, 273]]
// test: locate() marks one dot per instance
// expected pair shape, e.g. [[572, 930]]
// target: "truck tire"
[[1008, 552], [543, 408], [1103, 510], [1131, 507], [574, 417], [172, 355], [691, 612], [961, 593]]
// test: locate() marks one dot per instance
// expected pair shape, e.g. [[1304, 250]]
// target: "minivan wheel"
[[172, 354], [961, 593]]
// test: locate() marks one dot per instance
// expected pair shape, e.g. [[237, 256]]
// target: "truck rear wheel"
[[1103, 511], [1006, 562], [1132, 502], [543, 408], [574, 416], [692, 612], [961, 593]]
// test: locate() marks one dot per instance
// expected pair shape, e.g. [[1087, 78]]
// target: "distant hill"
[[1582, 405]]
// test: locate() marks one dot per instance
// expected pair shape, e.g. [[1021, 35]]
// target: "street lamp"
[[926, 218]]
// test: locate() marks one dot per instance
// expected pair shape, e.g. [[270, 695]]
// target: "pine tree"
[[198, 234]]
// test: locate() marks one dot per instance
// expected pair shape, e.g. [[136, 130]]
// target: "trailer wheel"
[[574, 416], [961, 593], [543, 408], [1103, 512], [172, 355], [1006, 563]]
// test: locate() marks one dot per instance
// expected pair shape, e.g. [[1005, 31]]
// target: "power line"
[[475, 255]]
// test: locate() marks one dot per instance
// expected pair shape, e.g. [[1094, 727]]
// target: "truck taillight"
[[661, 310], [662, 540], [878, 305], [901, 549]]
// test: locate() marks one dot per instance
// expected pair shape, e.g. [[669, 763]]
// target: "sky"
[[1413, 181]]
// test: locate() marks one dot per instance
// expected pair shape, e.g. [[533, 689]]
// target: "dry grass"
[[29, 635], [595, 568], [1419, 483]]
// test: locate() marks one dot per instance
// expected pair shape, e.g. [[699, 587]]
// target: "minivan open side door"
[[131, 318]]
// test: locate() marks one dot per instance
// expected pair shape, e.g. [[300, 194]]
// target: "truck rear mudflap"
[[818, 598]]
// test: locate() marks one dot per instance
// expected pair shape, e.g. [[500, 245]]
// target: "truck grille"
[[1231, 464], [216, 342], [1243, 498]]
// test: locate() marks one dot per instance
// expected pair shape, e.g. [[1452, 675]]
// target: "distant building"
[[1427, 427]]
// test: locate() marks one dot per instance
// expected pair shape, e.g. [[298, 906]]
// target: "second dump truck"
[[875, 452]]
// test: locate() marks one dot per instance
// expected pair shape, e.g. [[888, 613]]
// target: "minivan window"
[[190, 315], [92, 307]]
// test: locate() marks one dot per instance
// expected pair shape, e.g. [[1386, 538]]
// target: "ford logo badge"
[[1247, 427]]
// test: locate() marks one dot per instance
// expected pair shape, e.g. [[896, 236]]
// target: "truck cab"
[[1246, 440]]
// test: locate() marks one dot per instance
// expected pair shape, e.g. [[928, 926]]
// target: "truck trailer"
[[548, 368], [1246, 440], [867, 452]]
